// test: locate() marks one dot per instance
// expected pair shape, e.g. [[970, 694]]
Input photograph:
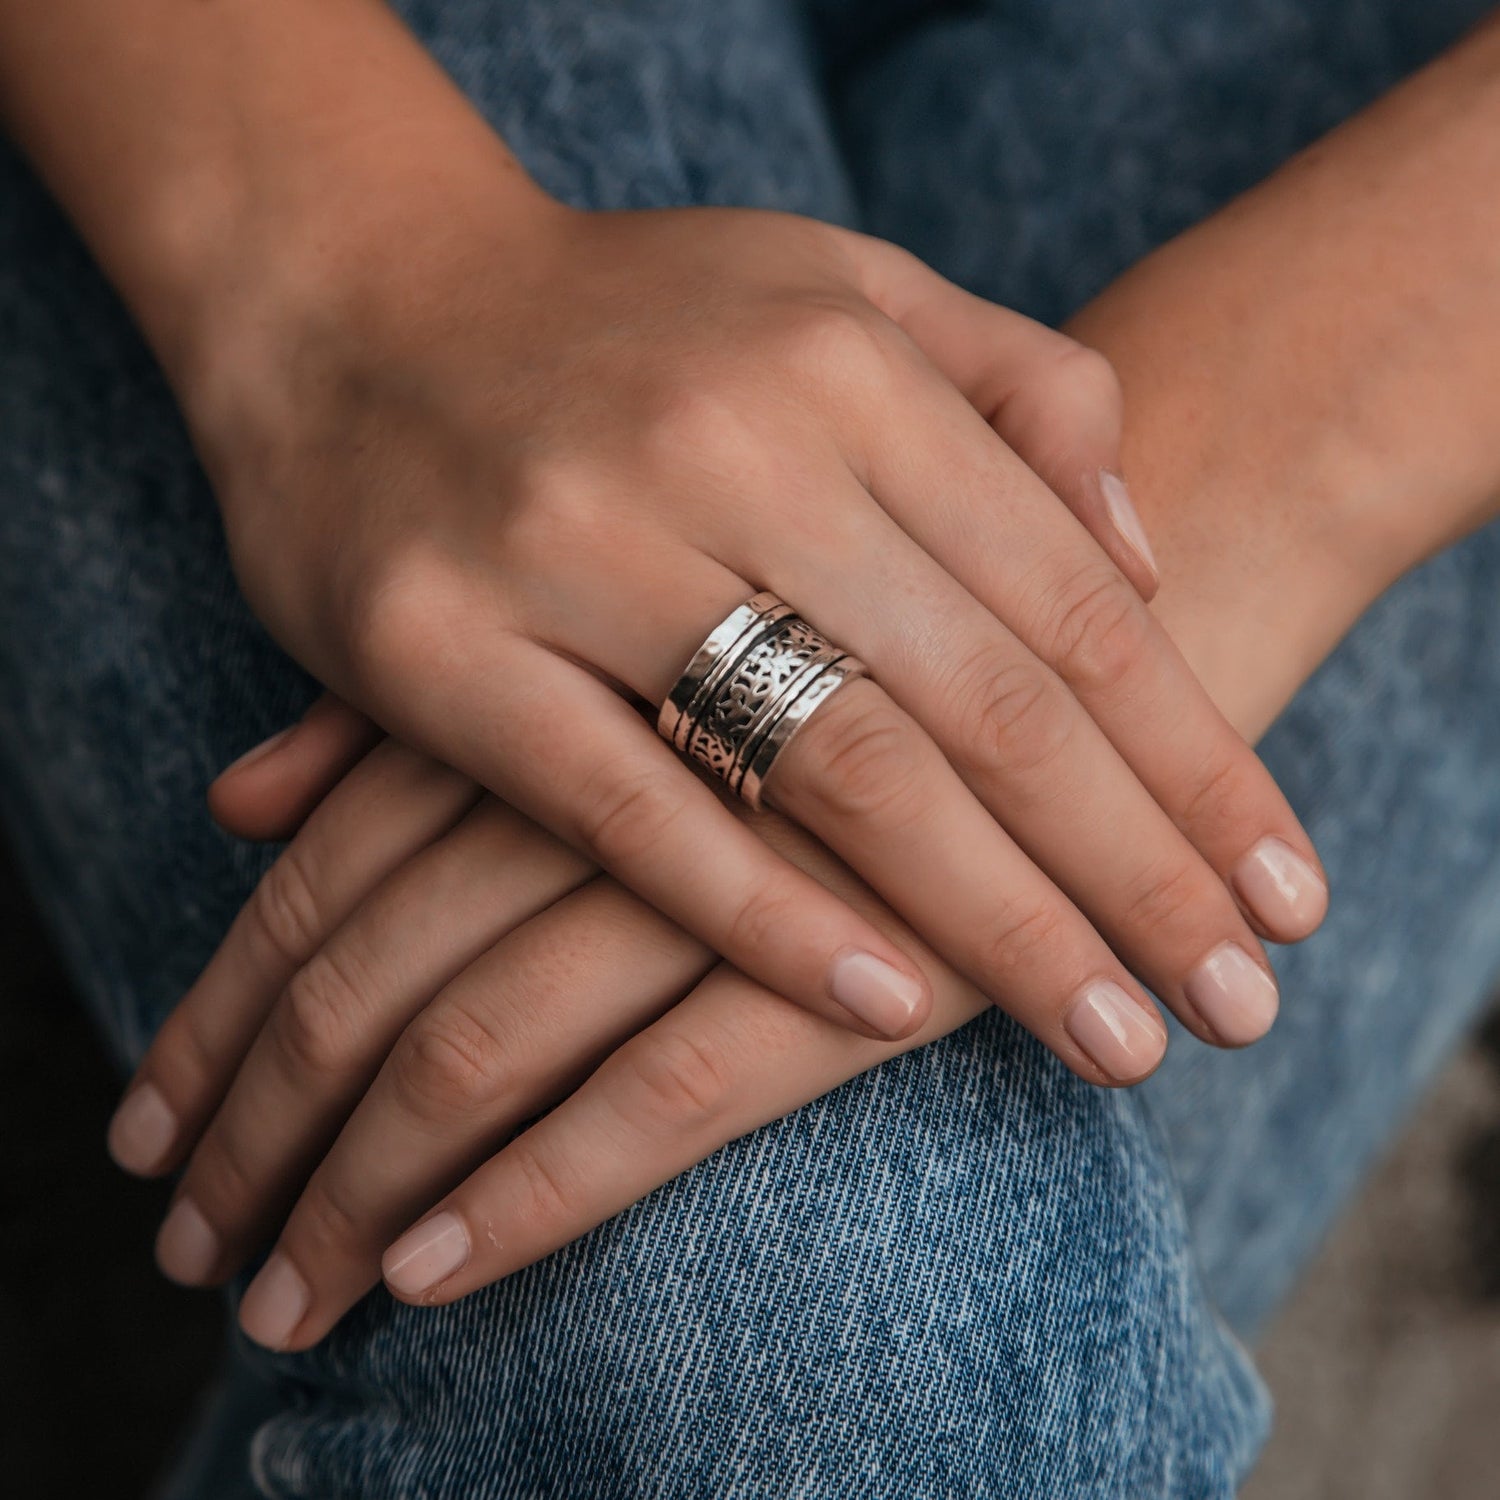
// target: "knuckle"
[[1171, 897], [702, 423], [763, 921], [543, 1200], [556, 507], [1221, 798], [184, 1058], [624, 813], [395, 613], [316, 1026], [1027, 943], [1087, 374], [284, 909], [681, 1079], [1099, 631], [447, 1069], [837, 346], [1016, 714], [220, 1182], [323, 1229], [861, 759]]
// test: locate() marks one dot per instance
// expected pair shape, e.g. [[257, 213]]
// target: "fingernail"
[[424, 1256], [142, 1130], [264, 748], [1126, 518], [877, 993], [187, 1248], [1115, 1031], [274, 1303], [1237, 998], [1288, 896]]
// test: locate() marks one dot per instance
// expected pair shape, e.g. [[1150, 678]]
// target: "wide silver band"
[[757, 679]]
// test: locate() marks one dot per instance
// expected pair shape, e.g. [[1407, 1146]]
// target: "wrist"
[[1253, 505], [364, 247], [1311, 377], [353, 178], [220, 159]]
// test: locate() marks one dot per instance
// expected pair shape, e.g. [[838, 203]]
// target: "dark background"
[[1386, 1365], [100, 1357]]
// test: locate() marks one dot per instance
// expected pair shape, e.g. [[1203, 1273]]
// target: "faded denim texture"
[[965, 1273]]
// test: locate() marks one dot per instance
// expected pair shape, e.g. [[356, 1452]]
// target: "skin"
[[491, 468], [1270, 550], [1269, 412]]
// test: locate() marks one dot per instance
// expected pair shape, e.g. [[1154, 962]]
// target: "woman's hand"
[[453, 993], [460, 972], [491, 468], [495, 509]]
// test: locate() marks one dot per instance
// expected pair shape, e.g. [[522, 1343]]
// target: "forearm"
[[1312, 381], [203, 147]]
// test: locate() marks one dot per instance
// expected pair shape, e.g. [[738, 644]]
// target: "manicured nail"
[[1116, 1031], [1288, 896], [142, 1131], [1126, 518], [274, 1303], [187, 1248], [877, 993], [424, 1256], [256, 752], [1233, 994]]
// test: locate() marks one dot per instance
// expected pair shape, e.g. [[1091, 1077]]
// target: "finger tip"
[[188, 1247], [142, 1134], [418, 1266], [876, 998], [1140, 571], [434, 1296], [1283, 891], [913, 1025], [275, 1305]]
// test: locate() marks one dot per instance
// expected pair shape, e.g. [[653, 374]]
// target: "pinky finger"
[[1056, 402], [728, 1059]]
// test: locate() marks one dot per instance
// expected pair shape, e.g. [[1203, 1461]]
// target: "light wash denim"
[[965, 1273]]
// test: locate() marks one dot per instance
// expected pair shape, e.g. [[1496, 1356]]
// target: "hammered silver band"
[[758, 678]]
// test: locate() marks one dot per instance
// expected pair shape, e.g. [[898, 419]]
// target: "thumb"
[[268, 793], [1056, 402]]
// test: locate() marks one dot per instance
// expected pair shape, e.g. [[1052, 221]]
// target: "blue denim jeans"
[[965, 1273]]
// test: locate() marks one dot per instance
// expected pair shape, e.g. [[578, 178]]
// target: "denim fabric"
[[965, 1273]]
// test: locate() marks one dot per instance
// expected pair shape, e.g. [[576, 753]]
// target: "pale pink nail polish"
[[426, 1255], [274, 1303], [143, 1129], [873, 990], [265, 747], [1126, 518], [1115, 1031], [1286, 893], [1237, 998], [187, 1247]]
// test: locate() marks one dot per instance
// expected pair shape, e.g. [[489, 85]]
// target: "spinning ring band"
[[758, 678]]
